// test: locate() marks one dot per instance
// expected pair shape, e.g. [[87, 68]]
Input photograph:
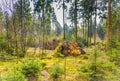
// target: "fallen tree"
[[69, 49], [51, 45]]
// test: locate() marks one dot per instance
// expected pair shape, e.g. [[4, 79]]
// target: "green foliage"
[[101, 31], [30, 42], [26, 69], [69, 33], [58, 50], [114, 56], [10, 50], [82, 41], [56, 71], [40, 5], [3, 43], [70, 38], [98, 70], [6, 57], [31, 67], [25, 28], [58, 29], [115, 43], [14, 75], [90, 71], [114, 53]]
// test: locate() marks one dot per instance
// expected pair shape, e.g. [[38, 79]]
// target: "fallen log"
[[51, 45]]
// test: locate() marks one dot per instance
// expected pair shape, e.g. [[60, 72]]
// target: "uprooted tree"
[[69, 48]]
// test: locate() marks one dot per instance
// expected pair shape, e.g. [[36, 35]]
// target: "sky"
[[59, 14], [5, 6]]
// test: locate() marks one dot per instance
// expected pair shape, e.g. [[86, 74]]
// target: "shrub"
[[31, 68], [98, 70], [13, 76], [4, 45], [115, 43], [114, 56], [70, 38], [30, 42], [88, 72], [57, 51], [27, 70], [82, 41], [56, 71]]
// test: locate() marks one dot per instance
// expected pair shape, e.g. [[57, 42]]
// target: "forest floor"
[[72, 63]]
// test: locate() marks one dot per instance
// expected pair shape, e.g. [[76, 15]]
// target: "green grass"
[[72, 63]]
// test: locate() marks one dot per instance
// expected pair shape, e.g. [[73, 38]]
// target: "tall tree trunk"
[[83, 28], [43, 46], [90, 28], [63, 21], [109, 24], [24, 31], [22, 40], [75, 20], [8, 36], [117, 33], [88, 32], [15, 35], [95, 31], [64, 37]]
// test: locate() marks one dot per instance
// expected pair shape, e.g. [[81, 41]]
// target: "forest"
[[59, 40]]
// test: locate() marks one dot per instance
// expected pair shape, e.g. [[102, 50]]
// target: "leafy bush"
[[57, 51], [82, 41], [98, 70], [5, 57], [13, 76], [27, 70], [30, 42], [5, 46], [90, 71], [31, 68], [114, 56], [10, 50], [115, 43], [3, 43], [70, 38], [56, 71]]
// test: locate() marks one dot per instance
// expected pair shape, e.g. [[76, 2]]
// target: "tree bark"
[[83, 28], [109, 24], [75, 20], [95, 31], [63, 21], [88, 32], [90, 28], [43, 46], [22, 40]]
